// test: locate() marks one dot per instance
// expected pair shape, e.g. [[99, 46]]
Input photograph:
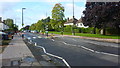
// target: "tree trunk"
[[104, 29], [94, 30]]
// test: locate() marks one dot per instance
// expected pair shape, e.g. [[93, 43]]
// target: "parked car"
[[35, 31], [4, 36], [10, 35]]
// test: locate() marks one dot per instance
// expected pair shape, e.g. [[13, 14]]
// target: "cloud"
[[18, 10], [77, 10], [6, 7], [10, 0], [42, 0]]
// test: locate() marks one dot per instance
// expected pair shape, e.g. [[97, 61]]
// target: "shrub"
[[68, 28]]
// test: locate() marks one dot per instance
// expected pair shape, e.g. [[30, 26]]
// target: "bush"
[[68, 28], [112, 31], [81, 30]]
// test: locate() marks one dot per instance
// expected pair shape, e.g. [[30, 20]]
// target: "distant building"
[[2, 25], [78, 23], [70, 22]]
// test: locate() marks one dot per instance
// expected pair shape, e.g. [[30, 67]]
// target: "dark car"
[[10, 35], [4, 36]]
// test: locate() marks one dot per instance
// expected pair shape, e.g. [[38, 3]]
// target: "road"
[[79, 52]]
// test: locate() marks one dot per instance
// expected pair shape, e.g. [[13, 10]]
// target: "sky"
[[37, 9]]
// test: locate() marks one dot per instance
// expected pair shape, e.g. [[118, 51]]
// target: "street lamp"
[[46, 27], [73, 32], [22, 16]]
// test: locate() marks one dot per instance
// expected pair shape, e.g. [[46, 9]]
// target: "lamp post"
[[22, 16], [73, 32], [46, 27]]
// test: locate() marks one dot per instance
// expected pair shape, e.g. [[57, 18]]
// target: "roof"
[[71, 21], [79, 21]]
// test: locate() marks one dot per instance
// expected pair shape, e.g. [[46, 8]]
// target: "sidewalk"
[[17, 49]]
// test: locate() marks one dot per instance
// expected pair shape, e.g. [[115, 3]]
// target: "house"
[[70, 22], [78, 23], [2, 25]]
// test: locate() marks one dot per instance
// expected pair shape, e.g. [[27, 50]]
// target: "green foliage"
[[81, 30], [112, 31], [56, 23], [57, 17], [89, 30], [32, 27], [89, 35], [9, 22], [58, 12], [68, 28], [41, 25], [12, 26]]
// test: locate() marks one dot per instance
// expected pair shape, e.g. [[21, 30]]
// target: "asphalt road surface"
[[79, 52]]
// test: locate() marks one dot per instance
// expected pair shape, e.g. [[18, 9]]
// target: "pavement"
[[16, 51]]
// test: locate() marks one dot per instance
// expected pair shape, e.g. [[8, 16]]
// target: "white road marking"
[[73, 45], [64, 43], [34, 37], [88, 49], [97, 52], [83, 48], [109, 54], [91, 49], [52, 39], [35, 44], [28, 38], [100, 44], [73, 39], [55, 56], [31, 41], [39, 37]]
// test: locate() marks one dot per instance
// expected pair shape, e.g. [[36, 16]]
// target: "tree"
[[57, 16], [102, 15], [32, 27], [26, 27], [9, 22]]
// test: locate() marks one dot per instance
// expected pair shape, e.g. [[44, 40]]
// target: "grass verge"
[[89, 35]]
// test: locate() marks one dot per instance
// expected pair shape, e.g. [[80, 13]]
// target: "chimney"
[[67, 19]]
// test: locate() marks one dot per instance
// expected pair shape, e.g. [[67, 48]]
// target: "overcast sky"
[[37, 9]]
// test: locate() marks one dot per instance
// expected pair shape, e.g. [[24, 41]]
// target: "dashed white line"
[[39, 37], [73, 39], [109, 54], [34, 37], [35, 44], [90, 49], [52, 39], [97, 52], [73, 45], [64, 43], [101, 44], [87, 49]]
